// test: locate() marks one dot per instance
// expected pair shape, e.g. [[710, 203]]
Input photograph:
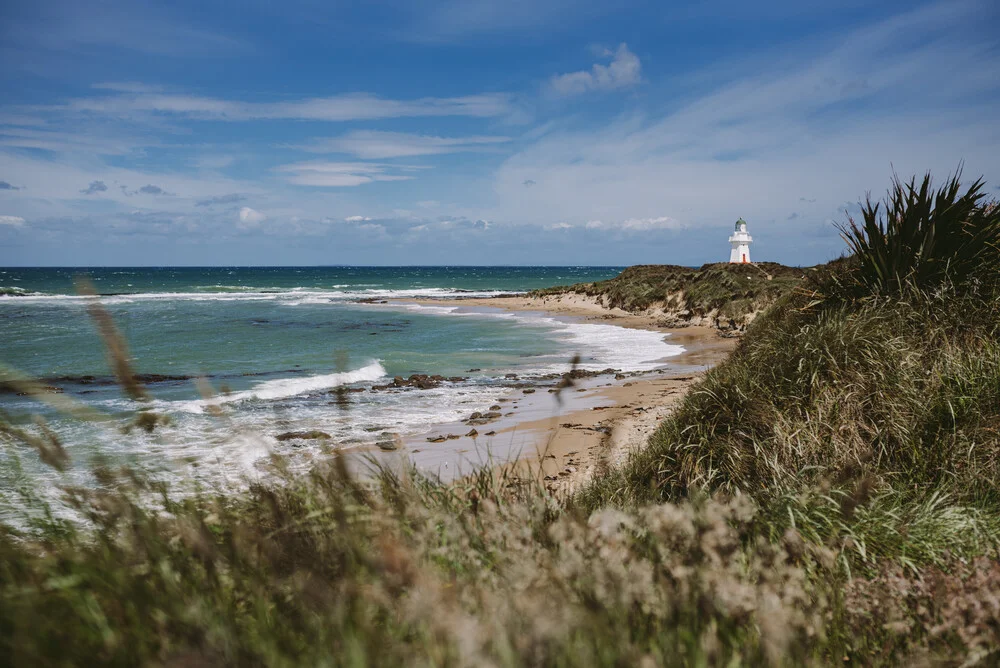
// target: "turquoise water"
[[273, 343]]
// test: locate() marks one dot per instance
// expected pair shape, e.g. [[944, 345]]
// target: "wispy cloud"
[[65, 26], [826, 120], [78, 140], [636, 224], [95, 187], [6, 186], [153, 190], [375, 145], [623, 71], [127, 87], [232, 198], [336, 108], [12, 221], [339, 174], [458, 20]]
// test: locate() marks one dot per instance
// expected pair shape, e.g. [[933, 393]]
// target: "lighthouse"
[[740, 241]]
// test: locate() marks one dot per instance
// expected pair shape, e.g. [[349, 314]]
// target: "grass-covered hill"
[[829, 495], [724, 295]]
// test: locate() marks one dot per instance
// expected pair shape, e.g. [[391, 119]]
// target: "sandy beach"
[[564, 438]]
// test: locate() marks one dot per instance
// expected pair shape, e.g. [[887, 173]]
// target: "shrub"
[[924, 237]]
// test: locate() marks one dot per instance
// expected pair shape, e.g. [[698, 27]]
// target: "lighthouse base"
[[740, 254]]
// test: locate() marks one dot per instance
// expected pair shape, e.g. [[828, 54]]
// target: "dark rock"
[[306, 435], [496, 407], [511, 376], [491, 433], [388, 442], [436, 439], [158, 378], [473, 433], [529, 390], [473, 370]]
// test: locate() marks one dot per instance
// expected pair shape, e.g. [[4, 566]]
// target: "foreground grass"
[[829, 494], [325, 571]]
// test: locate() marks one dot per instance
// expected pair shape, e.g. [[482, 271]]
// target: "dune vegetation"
[[827, 495], [727, 295]]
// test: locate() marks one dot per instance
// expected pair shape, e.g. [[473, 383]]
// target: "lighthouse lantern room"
[[740, 241]]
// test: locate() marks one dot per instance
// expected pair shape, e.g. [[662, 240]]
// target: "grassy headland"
[[722, 295], [827, 495]]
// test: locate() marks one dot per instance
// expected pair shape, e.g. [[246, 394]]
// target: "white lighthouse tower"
[[740, 241]]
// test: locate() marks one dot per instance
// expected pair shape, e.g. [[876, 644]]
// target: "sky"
[[472, 132]]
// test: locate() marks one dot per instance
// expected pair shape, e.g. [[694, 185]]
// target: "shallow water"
[[273, 344]]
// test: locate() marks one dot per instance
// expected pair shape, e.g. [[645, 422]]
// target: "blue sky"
[[475, 131]]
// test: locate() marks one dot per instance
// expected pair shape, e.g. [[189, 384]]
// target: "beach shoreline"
[[564, 438]]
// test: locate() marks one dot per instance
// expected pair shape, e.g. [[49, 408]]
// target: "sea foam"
[[284, 388]]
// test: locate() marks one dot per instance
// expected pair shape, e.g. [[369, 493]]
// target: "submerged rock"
[[305, 435], [421, 381]]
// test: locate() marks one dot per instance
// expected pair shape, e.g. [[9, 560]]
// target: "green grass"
[[827, 495], [728, 291]]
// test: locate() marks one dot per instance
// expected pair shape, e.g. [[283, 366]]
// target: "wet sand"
[[564, 438]]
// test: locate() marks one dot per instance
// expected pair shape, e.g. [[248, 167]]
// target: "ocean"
[[273, 344]]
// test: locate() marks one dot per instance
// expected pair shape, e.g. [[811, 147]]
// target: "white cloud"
[[79, 140], [347, 107], [250, 218], [13, 221], [127, 87], [829, 125], [635, 224], [372, 230], [357, 219], [623, 71], [375, 145], [338, 174]]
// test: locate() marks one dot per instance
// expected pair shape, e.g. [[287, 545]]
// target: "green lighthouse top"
[[740, 222]]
